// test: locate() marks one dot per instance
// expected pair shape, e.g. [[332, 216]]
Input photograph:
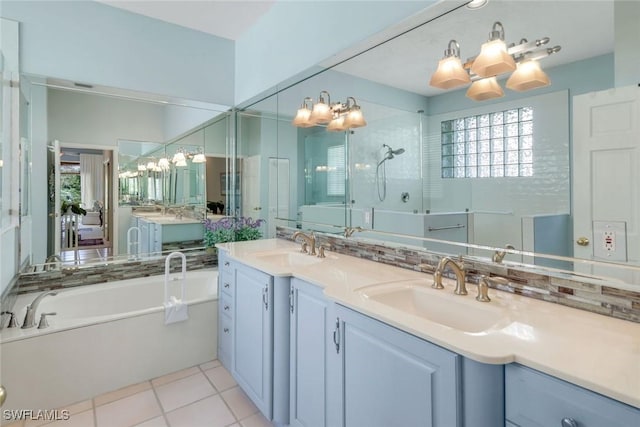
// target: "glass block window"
[[488, 145], [335, 170]]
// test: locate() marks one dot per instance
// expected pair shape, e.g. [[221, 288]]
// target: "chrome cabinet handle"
[[336, 335], [226, 330], [226, 308], [226, 285], [226, 263], [568, 422]]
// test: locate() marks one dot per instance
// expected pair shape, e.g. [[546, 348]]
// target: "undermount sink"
[[289, 259], [459, 312]]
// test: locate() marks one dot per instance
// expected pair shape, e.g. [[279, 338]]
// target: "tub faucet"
[[30, 316], [309, 240], [348, 231], [457, 268]]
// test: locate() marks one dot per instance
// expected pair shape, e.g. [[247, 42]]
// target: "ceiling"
[[229, 19], [408, 61], [582, 28]]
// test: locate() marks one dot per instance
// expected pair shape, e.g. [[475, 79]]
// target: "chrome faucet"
[[30, 316], [309, 240], [348, 231], [498, 256], [52, 262], [457, 268]]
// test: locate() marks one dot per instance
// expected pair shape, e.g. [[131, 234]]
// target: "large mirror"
[[104, 170], [434, 164]]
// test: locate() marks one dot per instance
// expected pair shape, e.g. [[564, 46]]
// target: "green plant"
[[75, 208], [231, 230]]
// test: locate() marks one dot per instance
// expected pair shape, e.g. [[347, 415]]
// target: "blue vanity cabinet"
[[391, 378], [226, 282], [535, 399], [310, 355], [252, 342]]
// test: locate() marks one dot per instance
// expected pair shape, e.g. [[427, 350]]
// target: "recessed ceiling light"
[[477, 4]]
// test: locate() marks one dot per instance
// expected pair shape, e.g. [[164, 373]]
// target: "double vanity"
[[342, 341]]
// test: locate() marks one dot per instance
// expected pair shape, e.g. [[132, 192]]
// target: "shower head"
[[391, 152]]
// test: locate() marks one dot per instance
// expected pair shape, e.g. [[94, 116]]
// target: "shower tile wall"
[[397, 129]]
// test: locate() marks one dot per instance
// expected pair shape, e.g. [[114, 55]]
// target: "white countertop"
[[594, 351], [169, 219]]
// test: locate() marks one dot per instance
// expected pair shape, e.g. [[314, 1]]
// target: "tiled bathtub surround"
[[588, 294], [78, 276]]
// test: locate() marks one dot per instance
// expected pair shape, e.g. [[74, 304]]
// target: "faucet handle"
[[483, 290], [43, 320], [303, 248], [12, 319], [321, 250]]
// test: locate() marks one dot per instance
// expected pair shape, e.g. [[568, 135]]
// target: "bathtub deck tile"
[[221, 378], [112, 396], [210, 412], [239, 403], [184, 391], [174, 376], [129, 411]]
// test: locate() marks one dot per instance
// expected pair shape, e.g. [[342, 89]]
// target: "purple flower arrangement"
[[231, 230]]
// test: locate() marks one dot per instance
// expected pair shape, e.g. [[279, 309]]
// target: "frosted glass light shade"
[[484, 89], [449, 74], [337, 125], [163, 163], [179, 157], [151, 165], [528, 76], [142, 167], [321, 113], [354, 118], [181, 163], [493, 60], [199, 158], [302, 118]]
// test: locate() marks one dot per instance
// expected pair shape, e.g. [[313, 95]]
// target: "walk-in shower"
[[381, 175]]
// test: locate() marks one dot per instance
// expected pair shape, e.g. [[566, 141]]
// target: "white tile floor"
[[201, 396]]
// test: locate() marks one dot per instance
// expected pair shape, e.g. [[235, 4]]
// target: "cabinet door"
[[392, 378], [534, 399], [309, 346], [252, 336]]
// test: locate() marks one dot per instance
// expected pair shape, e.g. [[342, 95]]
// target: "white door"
[[251, 205], [606, 158], [278, 194], [55, 224]]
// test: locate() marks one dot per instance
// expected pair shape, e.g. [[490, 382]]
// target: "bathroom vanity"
[[341, 341], [157, 229]]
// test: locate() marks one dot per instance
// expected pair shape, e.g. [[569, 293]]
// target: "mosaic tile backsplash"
[[583, 293]]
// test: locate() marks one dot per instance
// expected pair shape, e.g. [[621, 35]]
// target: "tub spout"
[[30, 316]]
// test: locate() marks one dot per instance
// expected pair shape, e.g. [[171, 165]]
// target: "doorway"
[[81, 209]]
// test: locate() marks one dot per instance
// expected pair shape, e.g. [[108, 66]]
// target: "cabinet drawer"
[[224, 341], [226, 305], [537, 399]]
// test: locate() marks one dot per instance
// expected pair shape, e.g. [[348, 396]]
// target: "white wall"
[[294, 36], [97, 120], [94, 43], [627, 35]]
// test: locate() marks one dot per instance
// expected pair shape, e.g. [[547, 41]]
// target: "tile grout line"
[[95, 411], [220, 392], [164, 414]]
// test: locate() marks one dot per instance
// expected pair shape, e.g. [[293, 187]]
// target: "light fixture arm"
[[497, 31], [321, 99], [453, 49]]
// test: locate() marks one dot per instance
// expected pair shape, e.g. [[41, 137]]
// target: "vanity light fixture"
[[179, 157], [450, 72], [496, 58], [151, 165], [163, 163], [199, 158], [142, 167], [339, 116]]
